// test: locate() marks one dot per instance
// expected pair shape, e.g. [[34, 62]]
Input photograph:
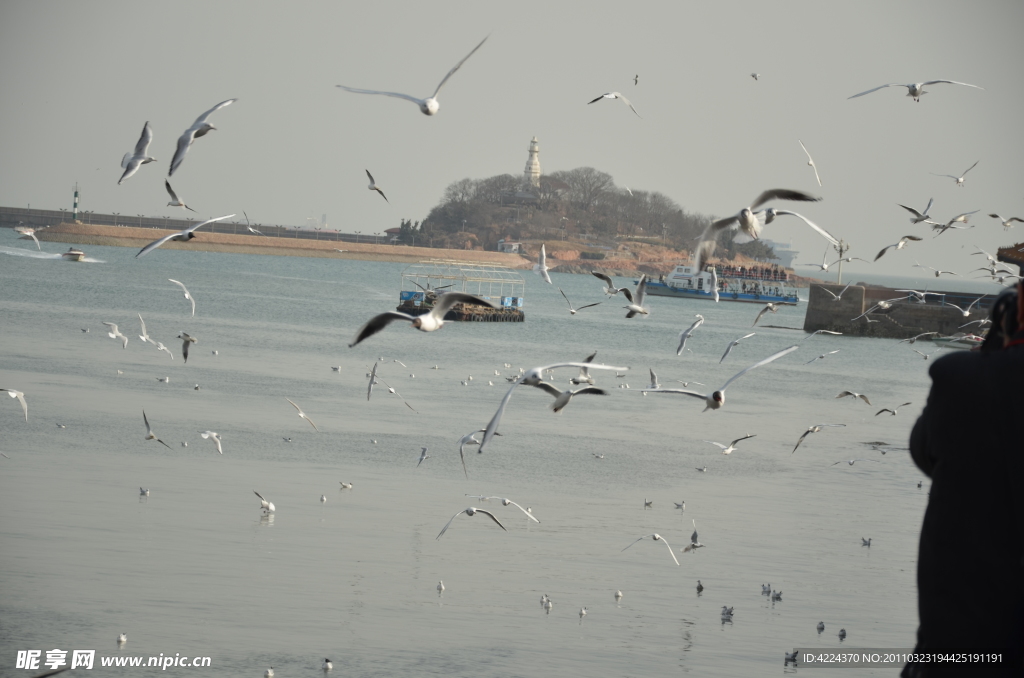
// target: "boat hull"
[[659, 289]]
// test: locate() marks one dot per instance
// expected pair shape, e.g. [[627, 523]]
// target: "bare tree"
[[586, 186], [460, 191]]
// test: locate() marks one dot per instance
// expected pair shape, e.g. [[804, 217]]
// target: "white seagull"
[[144, 491], [900, 245], [469, 439], [915, 89], [713, 284], [562, 398], [851, 462], [199, 128], [428, 106], [30, 232], [180, 236], [115, 333], [687, 333], [541, 267], [574, 311], [609, 287], [440, 587], [255, 232], [428, 322], [822, 356], [215, 437], [175, 202], [302, 415], [893, 411], [374, 187], [265, 505], [813, 429], [716, 399], [694, 543], [133, 160], [1007, 223], [854, 395], [160, 347], [767, 307], [835, 297], [810, 161], [145, 335], [731, 447], [584, 375], [423, 455], [636, 299], [919, 216], [615, 95], [21, 399], [470, 512], [188, 296], [960, 179], [185, 341], [657, 537], [149, 432], [327, 665], [734, 342]]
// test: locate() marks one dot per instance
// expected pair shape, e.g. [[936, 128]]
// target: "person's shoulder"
[[967, 362]]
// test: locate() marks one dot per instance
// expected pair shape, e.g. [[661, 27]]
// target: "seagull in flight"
[[609, 287], [149, 431], [1007, 223], [574, 311], [810, 161], [915, 89], [133, 160], [199, 128], [774, 308], [185, 341], [187, 295], [960, 179], [822, 356], [694, 543], [835, 297], [813, 429], [687, 333], [716, 399], [851, 462], [428, 322], [470, 512], [938, 272], [160, 347], [424, 455], [267, 506], [180, 236], [893, 411], [734, 342], [255, 232], [584, 375], [533, 377], [730, 448], [755, 76], [541, 267], [749, 222], [215, 437], [374, 187], [854, 395], [30, 232], [302, 415], [428, 106], [615, 95], [657, 537], [145, 335], [507, 502], [21, 399], [900, 245], [175, 202], [115, 333], [636, 299], [394, 392], [468, 439], [919, 216], [912, 340], [562, 398]]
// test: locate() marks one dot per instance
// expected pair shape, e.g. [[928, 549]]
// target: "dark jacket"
[[970, 441]]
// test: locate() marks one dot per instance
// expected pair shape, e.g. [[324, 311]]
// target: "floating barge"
[[423, 282], [756, 285]]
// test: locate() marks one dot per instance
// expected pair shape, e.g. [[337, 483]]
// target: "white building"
[[531, 174]]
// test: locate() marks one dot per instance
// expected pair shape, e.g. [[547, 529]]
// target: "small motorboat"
[[73, 255]]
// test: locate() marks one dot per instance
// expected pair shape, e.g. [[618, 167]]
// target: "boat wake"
[[18, 252]]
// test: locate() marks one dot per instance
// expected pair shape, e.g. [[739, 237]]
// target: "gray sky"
[[80, 79]]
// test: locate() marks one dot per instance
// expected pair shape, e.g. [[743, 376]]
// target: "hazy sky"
[[78, 80]]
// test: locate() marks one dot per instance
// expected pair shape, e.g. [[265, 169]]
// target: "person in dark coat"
[[970, 441]]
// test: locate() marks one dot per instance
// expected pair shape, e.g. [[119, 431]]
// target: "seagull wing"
[[457, 66], [810, 161], [602, 276], [949, 82], [875, 89], [21, 398], [692, 394], [670, 551], [548, 388], [167, 185], [588, 306], [591, 390], [371, 177], [445, 528], [806, 433], [188, 295], [528, 514], [378, 323], [416, 101], [202, 118], [149, 429], [733, 443], [772, 357], [640, 539], [142, 145], [825, 234], [488, 513], [913, 211], [884, 250], [156, 243], [492, 425], [373, 377], [627, 102], [719, 445], [641, 290], [784, 194], [968, 170], [628, 294], [884, 409], [184, 142]]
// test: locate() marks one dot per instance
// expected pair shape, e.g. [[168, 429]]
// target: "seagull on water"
[[810, 161], [574, 311], [21, 399], [31, 232], [766, 589], [726, 613], [700, 587], [865, 542], [470, 512], [185, 341], [854, 395], [688, 332], [915, 89], [1007, 223], [893, 411], [374, 187], [303, 415], [532, 377], [175, 202], [115, 333], [583, 613], [440, 587], [919, 216], [133, 160], [428, 106], [122, 638], [900, 245], [428, 322], [144, 491], [813, 429], [609, 287], [851, 462], [541, 267], [731, 447], [547, 606], [327, 665], [716, 399], [734, 342], [842, 634], [615, 95], [265, 505], [769, 307], [423, 455], [180, 236], [960, 179], [657, 537], [149, 432], [269, 673], [199, 128], [215, 437], [188, 296]]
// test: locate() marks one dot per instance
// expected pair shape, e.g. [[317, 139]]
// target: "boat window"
[[700, 283]]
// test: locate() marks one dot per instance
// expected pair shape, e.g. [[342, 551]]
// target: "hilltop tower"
[[532, 172]]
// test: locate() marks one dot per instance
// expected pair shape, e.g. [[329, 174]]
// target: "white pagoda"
[[532, 172]]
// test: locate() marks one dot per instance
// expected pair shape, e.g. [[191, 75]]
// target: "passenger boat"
[[756, 284], [424, 282], [73, 255]]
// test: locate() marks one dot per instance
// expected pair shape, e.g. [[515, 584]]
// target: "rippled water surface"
[[194, 569]]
